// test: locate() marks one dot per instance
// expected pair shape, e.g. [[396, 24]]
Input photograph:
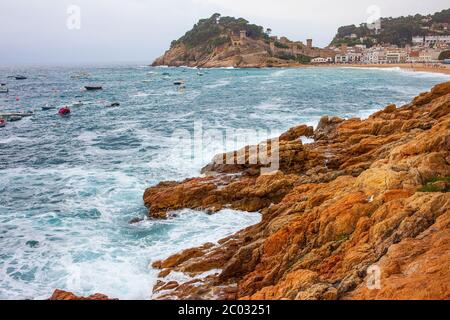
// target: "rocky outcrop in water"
[[229, 42], [361, 213], [64, 295]]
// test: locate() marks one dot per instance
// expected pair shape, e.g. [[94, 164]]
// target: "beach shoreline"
[[431, 68]]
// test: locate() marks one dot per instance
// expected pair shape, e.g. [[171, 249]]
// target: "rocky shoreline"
[[365, 195], [255, 54], [337, 206]]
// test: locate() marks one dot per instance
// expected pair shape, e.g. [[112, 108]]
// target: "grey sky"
[[35, 32]]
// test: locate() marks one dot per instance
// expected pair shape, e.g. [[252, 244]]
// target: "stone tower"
[[309, 43]]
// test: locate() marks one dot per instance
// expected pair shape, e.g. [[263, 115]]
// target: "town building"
[[431, 40], [319, 60], [396, 56]]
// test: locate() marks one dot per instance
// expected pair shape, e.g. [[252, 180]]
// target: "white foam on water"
[[218, 84], [306, 140], [272, 104], [102, 254], [280, 73], [13, 139], [409, 72], [141, 95]]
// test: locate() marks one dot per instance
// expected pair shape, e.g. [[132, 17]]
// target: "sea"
[[69, 186]]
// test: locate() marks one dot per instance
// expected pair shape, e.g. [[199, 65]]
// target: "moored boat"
[[14, 118], [2, 123], [3, 88], [20, 77], [113, 105], [47, 107], [78, 104], [93, 88]]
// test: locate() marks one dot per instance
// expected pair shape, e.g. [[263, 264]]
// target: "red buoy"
[[64, 111]]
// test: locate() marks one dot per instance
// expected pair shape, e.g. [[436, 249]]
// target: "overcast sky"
[[35, 31]]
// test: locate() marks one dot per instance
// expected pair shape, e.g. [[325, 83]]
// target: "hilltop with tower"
[[234, 42]]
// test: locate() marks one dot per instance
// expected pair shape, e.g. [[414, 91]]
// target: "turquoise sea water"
[[69, 186]]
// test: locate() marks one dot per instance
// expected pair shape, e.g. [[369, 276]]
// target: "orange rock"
[[397, 194], [335, 208], [64, 295]]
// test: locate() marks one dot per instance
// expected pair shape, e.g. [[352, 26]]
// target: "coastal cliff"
[[230, 42], [365, 195]]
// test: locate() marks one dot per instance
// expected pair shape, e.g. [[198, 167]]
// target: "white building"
[[418, 40], [374, 57], [341, 58], [349, 57], [396, 56], [431, 40], [319, 60]]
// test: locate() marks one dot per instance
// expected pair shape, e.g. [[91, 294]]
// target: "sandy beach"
[[418, 67]]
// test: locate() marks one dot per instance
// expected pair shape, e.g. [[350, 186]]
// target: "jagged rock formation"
[[64, 295], [366, 193]]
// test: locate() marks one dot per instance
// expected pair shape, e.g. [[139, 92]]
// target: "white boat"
[[14, 118], [77, 104], [3, 88], [80, 76]]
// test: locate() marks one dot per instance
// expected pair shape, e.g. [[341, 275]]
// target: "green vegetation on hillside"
[[439, 184], [214, 31], [281, 45], [398, 31]]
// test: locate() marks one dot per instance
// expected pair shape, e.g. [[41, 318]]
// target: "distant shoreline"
[[440, 68]]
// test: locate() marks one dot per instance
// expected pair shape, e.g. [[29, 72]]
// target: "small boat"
[[178, 83], [19, 77], [14, 118], [77, 104], [200, 74], [114, 104], [3, 88], [16, 114], [64, 111], [93, 88], [80, 76], [47, 107], [166, 74], [2, 123]]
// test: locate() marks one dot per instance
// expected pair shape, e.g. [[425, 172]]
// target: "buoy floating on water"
[[64, 111], [114, 104]]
